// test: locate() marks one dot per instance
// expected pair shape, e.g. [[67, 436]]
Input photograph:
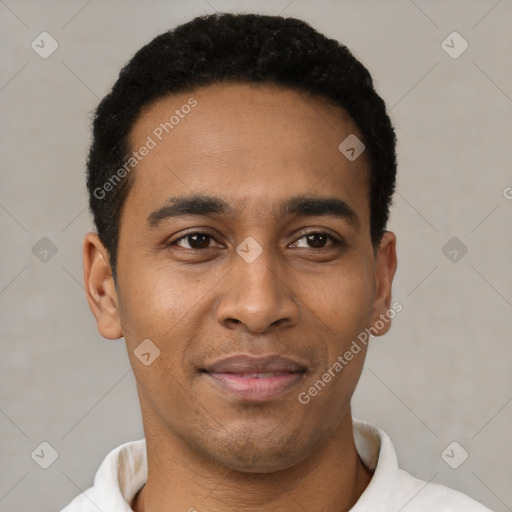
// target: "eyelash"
[[334, 240]]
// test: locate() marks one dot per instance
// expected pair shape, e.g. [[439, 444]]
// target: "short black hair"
[[246, 48]]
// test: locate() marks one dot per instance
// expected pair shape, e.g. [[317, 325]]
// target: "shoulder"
[[118, 479], [429, 496], [392, 489]]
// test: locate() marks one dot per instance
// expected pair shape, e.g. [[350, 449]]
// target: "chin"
[[249, 452], [255, 463]]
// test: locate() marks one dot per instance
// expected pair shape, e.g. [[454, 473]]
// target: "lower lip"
[[257, 389]]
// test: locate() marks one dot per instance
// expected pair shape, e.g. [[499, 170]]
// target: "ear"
[[385, 267], [100, 288]]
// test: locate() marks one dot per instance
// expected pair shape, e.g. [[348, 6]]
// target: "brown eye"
[[317, 240], [195, 241]]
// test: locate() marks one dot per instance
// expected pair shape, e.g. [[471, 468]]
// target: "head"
[[231, 222]]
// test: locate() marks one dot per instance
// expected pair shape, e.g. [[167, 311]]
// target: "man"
[[240, 178]]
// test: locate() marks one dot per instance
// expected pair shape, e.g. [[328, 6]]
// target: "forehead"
[[245, 142]]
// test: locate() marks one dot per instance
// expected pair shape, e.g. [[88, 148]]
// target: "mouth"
[[255, 379]]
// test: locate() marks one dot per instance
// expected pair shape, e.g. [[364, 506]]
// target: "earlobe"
[[99, 287], [385, 268]]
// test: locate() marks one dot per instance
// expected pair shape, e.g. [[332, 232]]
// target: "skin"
[[253, 147]]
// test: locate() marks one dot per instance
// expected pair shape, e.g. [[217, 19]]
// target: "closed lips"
[[260, 367], [255, 379]]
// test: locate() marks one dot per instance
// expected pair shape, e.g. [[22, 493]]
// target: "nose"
[[256, 297]]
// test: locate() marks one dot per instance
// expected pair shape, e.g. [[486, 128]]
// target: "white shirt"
[[124, 471]]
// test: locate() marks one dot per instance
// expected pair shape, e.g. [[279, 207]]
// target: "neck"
[[332, 480]]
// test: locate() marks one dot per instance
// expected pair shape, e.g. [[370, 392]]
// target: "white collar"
[[124, 471]]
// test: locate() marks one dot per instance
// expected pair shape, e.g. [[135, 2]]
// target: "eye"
[[201, 241], [318, 239], [195, 241]]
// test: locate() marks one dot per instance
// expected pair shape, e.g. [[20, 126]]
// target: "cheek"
[[169, 307], [157, 309], [149, 304], [343, 299]]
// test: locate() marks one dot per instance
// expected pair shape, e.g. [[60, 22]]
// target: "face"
[[245, 257]]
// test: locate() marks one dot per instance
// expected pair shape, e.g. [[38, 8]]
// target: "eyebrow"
[[300, 206]]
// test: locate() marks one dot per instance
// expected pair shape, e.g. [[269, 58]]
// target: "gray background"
[[442, 374]]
